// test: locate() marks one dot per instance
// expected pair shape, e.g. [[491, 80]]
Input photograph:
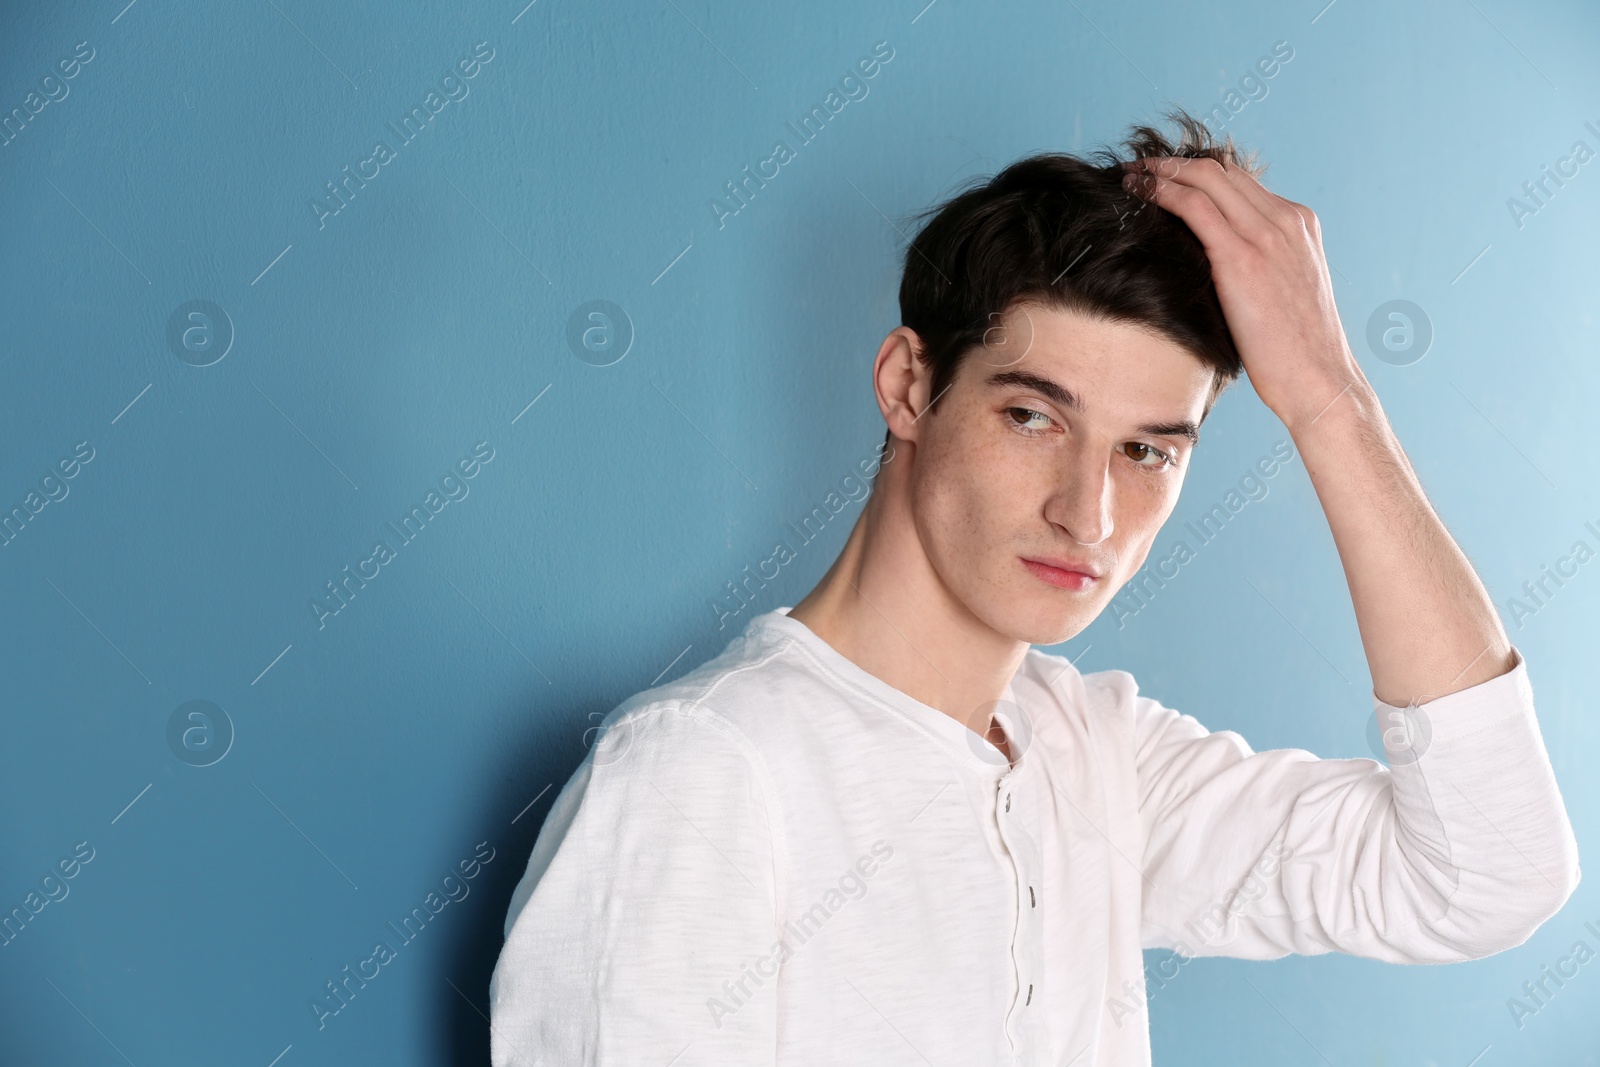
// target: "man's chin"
[[1048, 627]]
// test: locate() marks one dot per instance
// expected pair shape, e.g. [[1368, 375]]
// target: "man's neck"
[[882, 606]]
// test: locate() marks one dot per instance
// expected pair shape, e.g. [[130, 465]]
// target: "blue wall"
[[345, 365]]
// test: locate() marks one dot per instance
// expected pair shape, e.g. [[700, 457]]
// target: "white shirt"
[[781, 859]]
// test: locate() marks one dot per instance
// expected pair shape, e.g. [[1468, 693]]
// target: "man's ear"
[[902, 382]]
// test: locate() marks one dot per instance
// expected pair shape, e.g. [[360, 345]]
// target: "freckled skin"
[[1088, 487]]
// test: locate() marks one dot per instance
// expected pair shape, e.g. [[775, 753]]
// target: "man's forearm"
[[1427, 623]]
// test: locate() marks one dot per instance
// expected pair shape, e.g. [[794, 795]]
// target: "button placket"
[[1019, 849], [1022, 844], [1020, 830]]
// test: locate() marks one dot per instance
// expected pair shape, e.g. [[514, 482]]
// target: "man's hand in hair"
[[1271, 277]]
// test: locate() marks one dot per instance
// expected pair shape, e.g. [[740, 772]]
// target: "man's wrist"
[[1353, 457], [1330, 413]]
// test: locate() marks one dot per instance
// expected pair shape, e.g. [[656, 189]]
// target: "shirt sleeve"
[[1459, 848], [647, 905]]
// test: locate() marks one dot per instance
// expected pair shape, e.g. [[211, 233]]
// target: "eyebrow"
[[1066, 398]]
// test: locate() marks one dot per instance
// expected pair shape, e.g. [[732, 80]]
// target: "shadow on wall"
[[531, 761]]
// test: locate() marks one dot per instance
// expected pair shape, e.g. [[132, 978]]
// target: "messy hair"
[[1061, 231]]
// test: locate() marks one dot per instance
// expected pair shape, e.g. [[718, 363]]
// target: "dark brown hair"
[[1061, 231]]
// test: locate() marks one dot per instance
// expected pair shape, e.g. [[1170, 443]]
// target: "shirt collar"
[[972, 750]]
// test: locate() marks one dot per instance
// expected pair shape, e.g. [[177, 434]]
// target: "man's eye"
[[1139, 452], [1028, 415]]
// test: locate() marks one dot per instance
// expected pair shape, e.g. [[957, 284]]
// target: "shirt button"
[[1008, 801], [1032, 903], [1025, 1003]]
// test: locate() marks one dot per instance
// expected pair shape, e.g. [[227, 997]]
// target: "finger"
[[1196, 208], [1308, 218], [1293, 220], [1247, 216], [1291, 217]]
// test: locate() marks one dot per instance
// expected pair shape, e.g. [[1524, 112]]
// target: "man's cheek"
[[1113, 580]]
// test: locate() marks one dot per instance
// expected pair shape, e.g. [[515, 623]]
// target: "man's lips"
[[1062, 573]]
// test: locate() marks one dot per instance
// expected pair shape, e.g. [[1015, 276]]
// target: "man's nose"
[[1082, 506]]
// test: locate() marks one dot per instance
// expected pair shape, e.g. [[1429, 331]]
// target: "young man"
[[880, 828]]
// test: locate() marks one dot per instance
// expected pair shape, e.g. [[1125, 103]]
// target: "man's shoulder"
[[1098, 692], [1105, 703], [1105, 711], [740, 693]]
